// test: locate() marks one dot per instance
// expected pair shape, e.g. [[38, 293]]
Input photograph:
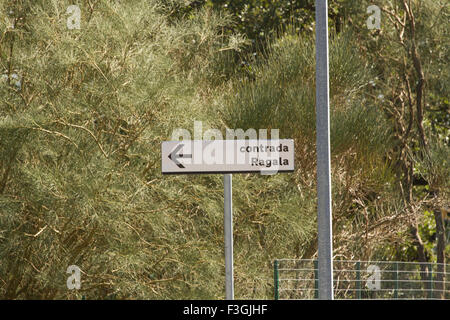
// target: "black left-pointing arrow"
[[174, 156]]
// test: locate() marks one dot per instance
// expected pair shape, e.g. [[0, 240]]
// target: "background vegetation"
[[83, 113]]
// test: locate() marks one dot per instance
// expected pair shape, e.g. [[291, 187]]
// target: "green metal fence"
[[298, 279]]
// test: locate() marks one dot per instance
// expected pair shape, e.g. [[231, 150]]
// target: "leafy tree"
[[80, 182], [83, 113], [409, 56]]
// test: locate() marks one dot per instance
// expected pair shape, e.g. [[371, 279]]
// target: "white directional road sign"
[[227, 156]]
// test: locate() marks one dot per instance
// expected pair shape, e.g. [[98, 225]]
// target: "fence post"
[[396, 280], [276, 281], [358, 280], [430, 285], [445, 279], [316, 279]]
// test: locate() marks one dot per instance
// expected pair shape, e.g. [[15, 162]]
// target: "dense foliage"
[[83, 113]]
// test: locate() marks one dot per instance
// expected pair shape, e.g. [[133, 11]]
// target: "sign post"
[[228, 233], [227, 157], [324, 222]]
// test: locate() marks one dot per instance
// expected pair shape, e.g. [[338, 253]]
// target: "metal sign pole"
[[228, 232], [324, 222]]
